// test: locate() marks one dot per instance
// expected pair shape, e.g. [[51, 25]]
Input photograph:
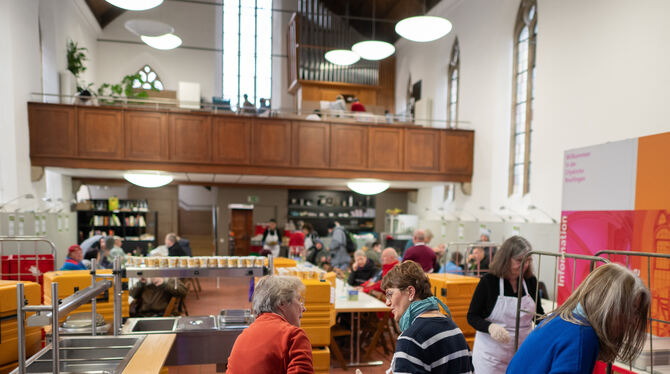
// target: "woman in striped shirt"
[[430, 341]]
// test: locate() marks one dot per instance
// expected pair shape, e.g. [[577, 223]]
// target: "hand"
[[358, 371], [498, 333]]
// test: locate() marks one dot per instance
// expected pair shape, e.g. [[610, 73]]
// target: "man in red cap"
[[73, 260]]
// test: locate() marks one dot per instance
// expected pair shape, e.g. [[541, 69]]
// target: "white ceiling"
[[238, 179]]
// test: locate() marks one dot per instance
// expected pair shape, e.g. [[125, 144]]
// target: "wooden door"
[[241, 226]]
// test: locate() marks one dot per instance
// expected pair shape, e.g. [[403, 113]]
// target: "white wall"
[[601, 76], [194, 23]]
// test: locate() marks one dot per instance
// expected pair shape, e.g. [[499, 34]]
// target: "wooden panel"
[[348, 147], [231, 138], [100, 133], [422, 150], [311, 144], [271, 142], [53, 130], [457, 152], [146, 135], [190, 137], [386, 148]]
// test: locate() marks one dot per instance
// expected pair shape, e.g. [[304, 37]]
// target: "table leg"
[[351, 341], [357, 336]]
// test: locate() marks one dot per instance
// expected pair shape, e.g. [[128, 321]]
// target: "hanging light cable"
[[423, 28], [373, 49]]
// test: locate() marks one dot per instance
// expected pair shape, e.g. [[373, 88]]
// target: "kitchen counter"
[[151, 355]]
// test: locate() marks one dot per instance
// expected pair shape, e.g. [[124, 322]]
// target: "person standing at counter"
[[493, 306], [73, 260], [339, 257], [272, 238], [274, 343]]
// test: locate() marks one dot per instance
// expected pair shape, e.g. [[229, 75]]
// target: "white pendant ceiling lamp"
[[423, 28], [148, 178], [135, 4], [165, 41], [342, 57], [368, 186], [373, 49]]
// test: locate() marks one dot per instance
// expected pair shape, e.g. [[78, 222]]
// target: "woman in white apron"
[[272, 238], [493, 307]]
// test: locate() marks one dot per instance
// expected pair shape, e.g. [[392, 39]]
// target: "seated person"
[[73, 260], [274, 342], [374, 253], [173, 246], [420, 252], [356, 106], [362, 269], [453, 266], [389, 260], [478, 260], [318, 254], [105, 260], [153, 295], [115, 248], [339, 104]]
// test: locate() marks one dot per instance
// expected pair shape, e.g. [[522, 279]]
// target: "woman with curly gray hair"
[[605, 318], [274, 342]]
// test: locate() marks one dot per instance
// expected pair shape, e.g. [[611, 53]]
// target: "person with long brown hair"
[[605, 318], [492, 309]]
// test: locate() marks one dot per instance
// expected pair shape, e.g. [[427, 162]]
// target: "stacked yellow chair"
[[281, 262], [456, 292], [316, 321], [8, 324], [71, 281]]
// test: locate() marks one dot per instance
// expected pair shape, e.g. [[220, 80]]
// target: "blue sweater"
[[432, 345], [557, 347], [71, 264]]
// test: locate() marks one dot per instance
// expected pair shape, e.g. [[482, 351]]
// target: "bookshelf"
[[130, 219], [355, 212]]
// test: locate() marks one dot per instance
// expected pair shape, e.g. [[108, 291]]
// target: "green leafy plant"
[[125, 88], [76, 56]]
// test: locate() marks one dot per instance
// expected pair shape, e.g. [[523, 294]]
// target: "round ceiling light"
[[342, 57], [148, 178], [165, 41], [423, 28], [373, 49], [368, 186], [135, 4], [148, 27]]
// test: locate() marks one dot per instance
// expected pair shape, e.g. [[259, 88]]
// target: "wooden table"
[[364, 304]]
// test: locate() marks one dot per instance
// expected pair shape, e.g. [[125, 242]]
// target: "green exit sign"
[[253, 199]]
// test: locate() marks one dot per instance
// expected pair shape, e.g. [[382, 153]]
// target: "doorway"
[[241, 229]]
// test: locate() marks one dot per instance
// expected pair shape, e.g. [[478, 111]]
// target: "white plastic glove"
[[498, 333]]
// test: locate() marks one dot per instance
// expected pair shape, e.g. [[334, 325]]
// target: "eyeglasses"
[[389, 293]]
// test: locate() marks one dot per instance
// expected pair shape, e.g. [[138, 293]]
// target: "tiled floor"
[[234, 293]]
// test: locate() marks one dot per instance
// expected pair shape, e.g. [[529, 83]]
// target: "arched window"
[[452, 85], [148, 79], [525, 35]]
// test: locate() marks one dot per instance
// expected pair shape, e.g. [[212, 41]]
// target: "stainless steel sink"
[[154, 325], [149, 325], [103, 354]]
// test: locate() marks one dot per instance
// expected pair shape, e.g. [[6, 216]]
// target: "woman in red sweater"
[[274, 342]]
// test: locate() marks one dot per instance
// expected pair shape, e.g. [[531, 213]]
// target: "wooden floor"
[[234, 293]]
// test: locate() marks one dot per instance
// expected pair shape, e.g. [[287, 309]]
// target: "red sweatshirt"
[[377, 286], [271, 345]]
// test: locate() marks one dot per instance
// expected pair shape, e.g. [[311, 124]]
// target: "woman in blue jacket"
[[605, 318]]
